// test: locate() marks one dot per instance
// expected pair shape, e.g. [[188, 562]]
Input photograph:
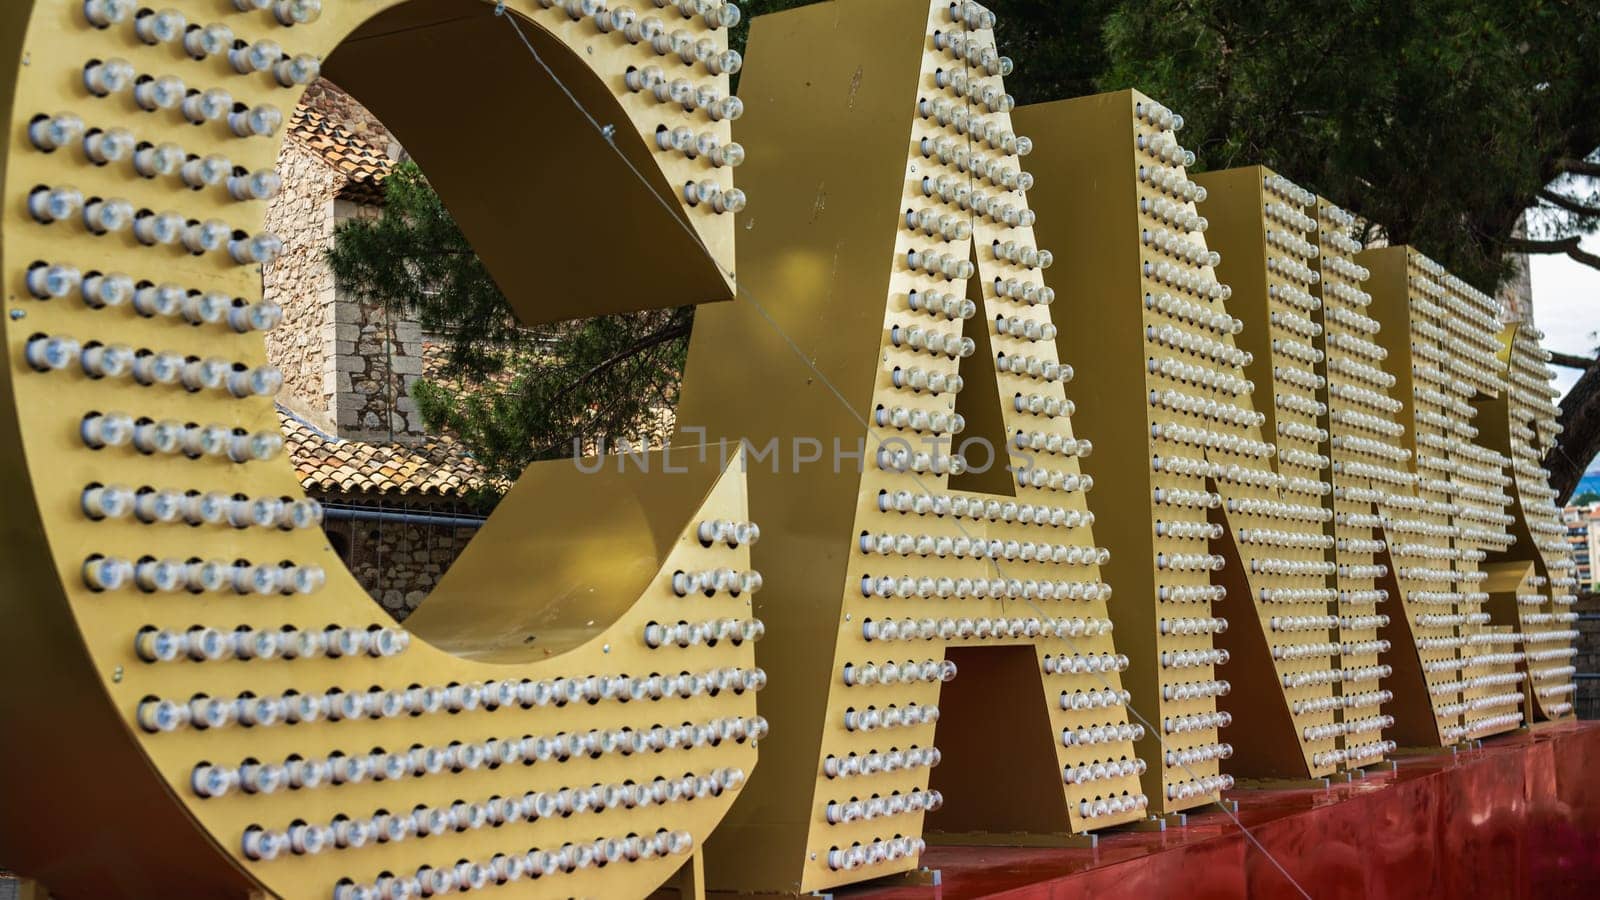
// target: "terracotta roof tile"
[[438, 467], [363, 165]]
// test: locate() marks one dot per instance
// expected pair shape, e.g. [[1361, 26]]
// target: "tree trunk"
[[1579, 440]]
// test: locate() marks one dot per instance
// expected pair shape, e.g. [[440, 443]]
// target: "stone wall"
[[302, 215], [398, 564], [378, 360], [348, 366]]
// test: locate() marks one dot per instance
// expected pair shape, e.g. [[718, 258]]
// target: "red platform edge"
[[1519, 817]]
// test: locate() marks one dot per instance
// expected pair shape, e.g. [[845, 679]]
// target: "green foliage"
[[1584, 499], [1438, 120], [512, 395]]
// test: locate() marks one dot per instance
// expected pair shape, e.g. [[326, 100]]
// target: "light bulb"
[[301, 69], [52, 281], [105, 216], [159, 27], [51, 353], [165, 92], [261, 249], [296, 12], [262, 185], [104, 147], [205, 309], [208, 41], [259, 121], [207, 106], [158, 300], [50, 133], [103, 13], [49, 205], [207, 236], [257, 57], [107, 77], [158, 228]]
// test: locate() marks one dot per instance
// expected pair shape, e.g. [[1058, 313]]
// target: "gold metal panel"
[[1153, 331], [831, 260], [1368, 465], [1439, 531], [1521, 423], [565, 590], [1468, 336], [1264, 227]]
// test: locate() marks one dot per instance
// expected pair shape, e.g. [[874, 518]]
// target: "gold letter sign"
[[885, 160], [192, 705]]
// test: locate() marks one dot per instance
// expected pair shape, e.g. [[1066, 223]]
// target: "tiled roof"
[[438, 467], [363, 165]]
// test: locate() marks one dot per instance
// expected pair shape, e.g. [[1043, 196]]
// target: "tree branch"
[[1569, 246], [1579, 167], [1567, 203], [645, 343], [1571, 360], [1580, 434]]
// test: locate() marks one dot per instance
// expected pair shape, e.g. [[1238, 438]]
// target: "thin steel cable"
[[608, 134]]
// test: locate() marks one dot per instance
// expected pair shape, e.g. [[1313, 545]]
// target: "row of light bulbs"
[[868, 674], [51, 133], [878, 852], [102, 291], [150, 505], [49, 205], [693, 634], [115, 429], [344, 833], [47, 353], [465, 876], [1218, 352], [202, 711], [105, 78], [854, 765], [938, 422], [716, 581], [203, 644], [419, 761], [651, 80], [982, 628], [911, 802], [963, 547], [982, 509], [286, 12], [871, 718], [166, 576]]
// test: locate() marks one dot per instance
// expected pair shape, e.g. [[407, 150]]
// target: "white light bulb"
[[51, 133], [208, 41], [48, 282], [260, 249], [102, 13], [49, 205], [159, 27], [296, 12], [152, 94], [301, 69], [108, 77], [259, 121]]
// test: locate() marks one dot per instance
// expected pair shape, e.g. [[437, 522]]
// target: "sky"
[[1566, 307]]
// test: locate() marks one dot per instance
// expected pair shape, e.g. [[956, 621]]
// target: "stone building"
[[397, 498], [400, 502]]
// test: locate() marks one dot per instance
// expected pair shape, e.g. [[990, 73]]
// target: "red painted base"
[[1519, 818]]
